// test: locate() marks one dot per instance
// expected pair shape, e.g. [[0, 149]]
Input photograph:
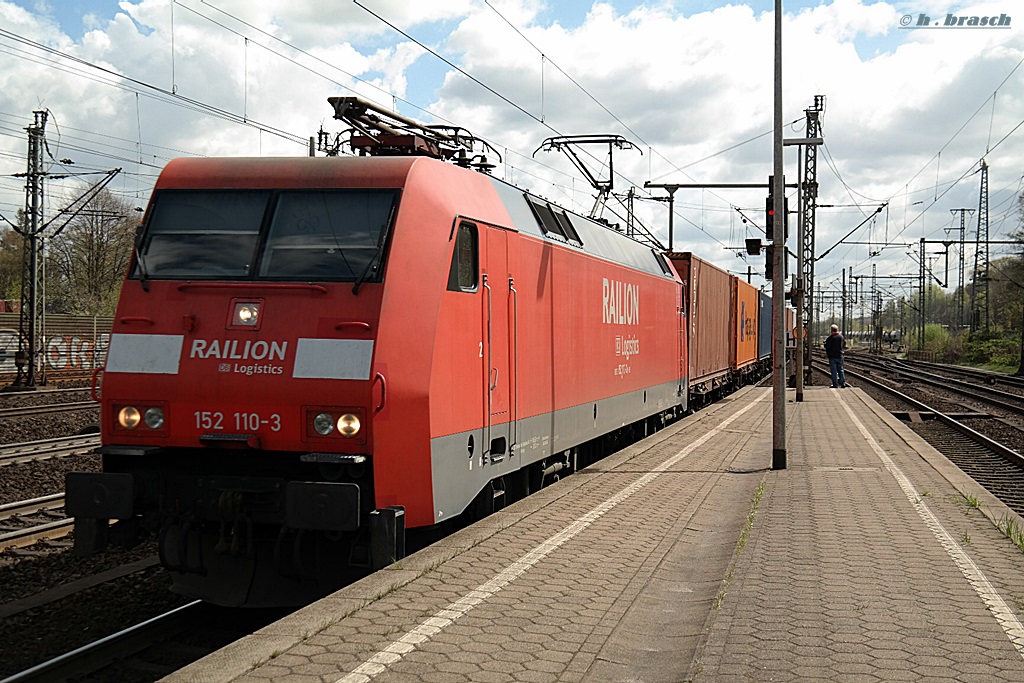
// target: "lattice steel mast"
[[808, 199], [979, 310], [31, 321]]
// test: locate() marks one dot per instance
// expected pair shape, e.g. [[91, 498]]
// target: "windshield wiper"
[[377, 254], [143, 274]]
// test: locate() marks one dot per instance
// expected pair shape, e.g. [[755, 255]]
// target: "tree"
[[12, 247], [87, 259]]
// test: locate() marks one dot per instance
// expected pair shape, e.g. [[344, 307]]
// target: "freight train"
[[310, 355]]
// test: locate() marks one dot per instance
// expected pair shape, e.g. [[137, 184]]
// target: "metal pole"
[[798, 281], [671, 216], [922, 300], [842, 306], [779, 265]]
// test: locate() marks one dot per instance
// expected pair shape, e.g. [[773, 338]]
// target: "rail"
[[32, 411], [27, 451], [90, 657]]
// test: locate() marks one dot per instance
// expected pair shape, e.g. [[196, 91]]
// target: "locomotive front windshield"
[[327, 235]]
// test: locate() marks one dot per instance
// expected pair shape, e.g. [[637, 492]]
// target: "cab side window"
[[464, 273]]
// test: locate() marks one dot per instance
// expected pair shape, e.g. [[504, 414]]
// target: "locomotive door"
[[684, 360], [499, 341]]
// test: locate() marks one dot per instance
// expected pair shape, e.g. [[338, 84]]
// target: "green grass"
[[740, 544], [1012, 531]]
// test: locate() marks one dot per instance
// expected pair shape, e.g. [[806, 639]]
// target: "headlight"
[[154, 418], [323, 424], [129, 417], [246, 314], [348, 424]]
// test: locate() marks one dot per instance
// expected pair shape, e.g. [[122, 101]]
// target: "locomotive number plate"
[[207, 420]]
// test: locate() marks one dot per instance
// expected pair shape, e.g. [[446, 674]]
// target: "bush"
[[936, 338], [989, 350]]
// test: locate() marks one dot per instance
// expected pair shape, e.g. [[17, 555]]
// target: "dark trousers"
[[835, 366]]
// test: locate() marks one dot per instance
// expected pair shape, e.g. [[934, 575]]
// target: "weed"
[[1012, 531], [740, 545], [972, 500], [965, 538], [389, 590], [431, 567]]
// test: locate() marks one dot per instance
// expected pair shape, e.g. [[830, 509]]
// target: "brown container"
[[744, 324], [707, 293]]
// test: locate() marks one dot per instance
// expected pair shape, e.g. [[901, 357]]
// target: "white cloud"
[[682, 86]]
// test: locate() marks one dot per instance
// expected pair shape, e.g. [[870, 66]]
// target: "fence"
[[70, 342]]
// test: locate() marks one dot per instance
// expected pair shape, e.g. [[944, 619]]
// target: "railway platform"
[[685, 558]]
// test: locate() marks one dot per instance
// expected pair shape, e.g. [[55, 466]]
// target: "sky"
[[911, 106]]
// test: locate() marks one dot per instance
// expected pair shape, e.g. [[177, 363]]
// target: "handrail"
[[124, 320], [94, 385], [514, 389], [487, 381], [251, 285], [383, 391], [352, 323]]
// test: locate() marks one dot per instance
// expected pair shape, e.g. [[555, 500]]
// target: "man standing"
[[834, 344]]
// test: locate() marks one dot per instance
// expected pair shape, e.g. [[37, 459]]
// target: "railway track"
[[976, 375], [23, 523], [28, 507], [33, 411], [981, 388], [17, 395], [8, 378], [153, 648], [129, 642], [47, 448], [26, 522]]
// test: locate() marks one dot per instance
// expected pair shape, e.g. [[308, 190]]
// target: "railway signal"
[[769, 211]]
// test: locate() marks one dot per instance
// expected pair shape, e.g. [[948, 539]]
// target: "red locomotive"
[[311, 354]]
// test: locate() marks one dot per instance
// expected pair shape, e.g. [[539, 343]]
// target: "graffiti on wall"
[[62, 353]]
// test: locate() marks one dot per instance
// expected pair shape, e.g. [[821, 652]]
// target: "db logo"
[[224, 367]]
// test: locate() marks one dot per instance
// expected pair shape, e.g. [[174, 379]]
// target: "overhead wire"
[[305, 53], [302, 140], [546, 59], [937, 156], [108, 77], [152, 88]]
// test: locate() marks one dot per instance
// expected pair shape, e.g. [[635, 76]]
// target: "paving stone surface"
[[683, 558], [844, 578]]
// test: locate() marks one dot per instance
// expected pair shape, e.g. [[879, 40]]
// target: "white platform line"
[[427, 628], [982, 586]]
